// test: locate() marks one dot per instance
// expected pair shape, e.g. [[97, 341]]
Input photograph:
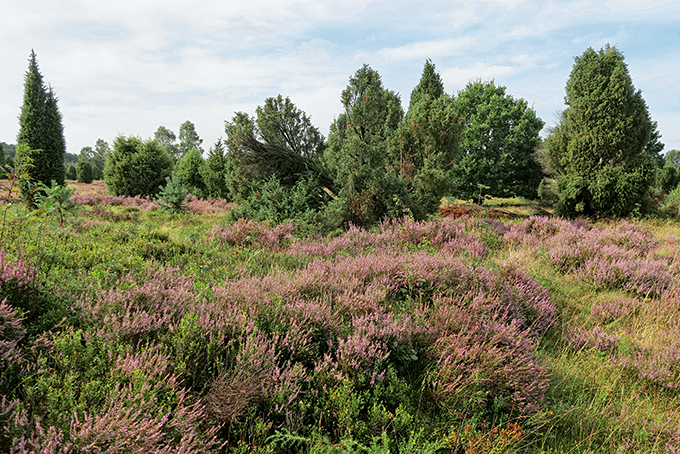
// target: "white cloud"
[[461, 76], [425, 49]]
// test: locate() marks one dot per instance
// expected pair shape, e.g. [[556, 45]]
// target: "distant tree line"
[[604, 158]]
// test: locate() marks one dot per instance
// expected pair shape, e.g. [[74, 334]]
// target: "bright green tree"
[[135, 167], [358, 153], [428, 143], [41, 133], [500, 137], [71, 173], [600, 142], [84, 172], [672, 158], [190, 170]]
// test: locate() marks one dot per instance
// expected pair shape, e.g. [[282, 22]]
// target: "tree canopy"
[[500, 137], [428, 143], [358, 154], [280, 141]]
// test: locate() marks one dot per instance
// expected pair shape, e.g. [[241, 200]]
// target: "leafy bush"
[[84, 172], [136, 168]]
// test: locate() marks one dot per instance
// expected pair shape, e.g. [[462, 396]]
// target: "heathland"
[[126, 328]]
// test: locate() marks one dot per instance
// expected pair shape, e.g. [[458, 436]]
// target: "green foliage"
[[427, 144], [655, 146], [98, 159], [215, 171], [358, 155], [56, 200], [188, 139], [667, 178], [500, 137], [270, 200], [84, 172], [190, 170], [273, 167], [166, 138], [172, 196], [135, 168], [71, 172], [40, 128], [280, 141], [601, 139], [672, 158]]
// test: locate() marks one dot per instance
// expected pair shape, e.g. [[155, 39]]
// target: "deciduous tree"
[[188, 139], [500, 137]]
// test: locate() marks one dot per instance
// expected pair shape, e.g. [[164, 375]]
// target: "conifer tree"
[[601, 138], [358, 154], [428, 143], [190, 170], [214, 171], [41, 133]]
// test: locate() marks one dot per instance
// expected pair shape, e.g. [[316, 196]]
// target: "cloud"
[[425, 49], [461, 76]]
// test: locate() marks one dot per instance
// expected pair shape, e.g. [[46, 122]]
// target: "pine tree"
[[41, 134], [601, 139]]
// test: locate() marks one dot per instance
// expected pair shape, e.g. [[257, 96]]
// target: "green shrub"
[[84, 172], [136, 168]]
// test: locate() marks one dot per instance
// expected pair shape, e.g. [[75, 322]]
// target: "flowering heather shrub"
[[96, 199], [353, 301], [246, 232], [11, 333], [16, 273], [622, 256], [446, 234], [485, 365], [658, 367], [597, 339], [133, 311], [148, 412], [198, 206], [605, 311]]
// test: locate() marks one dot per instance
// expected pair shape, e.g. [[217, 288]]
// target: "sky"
[[130, 66]]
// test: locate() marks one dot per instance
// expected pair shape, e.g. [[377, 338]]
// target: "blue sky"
[[129, 66]]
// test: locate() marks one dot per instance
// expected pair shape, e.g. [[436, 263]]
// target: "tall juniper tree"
[[600, 142], [358, 154], [41, 134], [428, 143]]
